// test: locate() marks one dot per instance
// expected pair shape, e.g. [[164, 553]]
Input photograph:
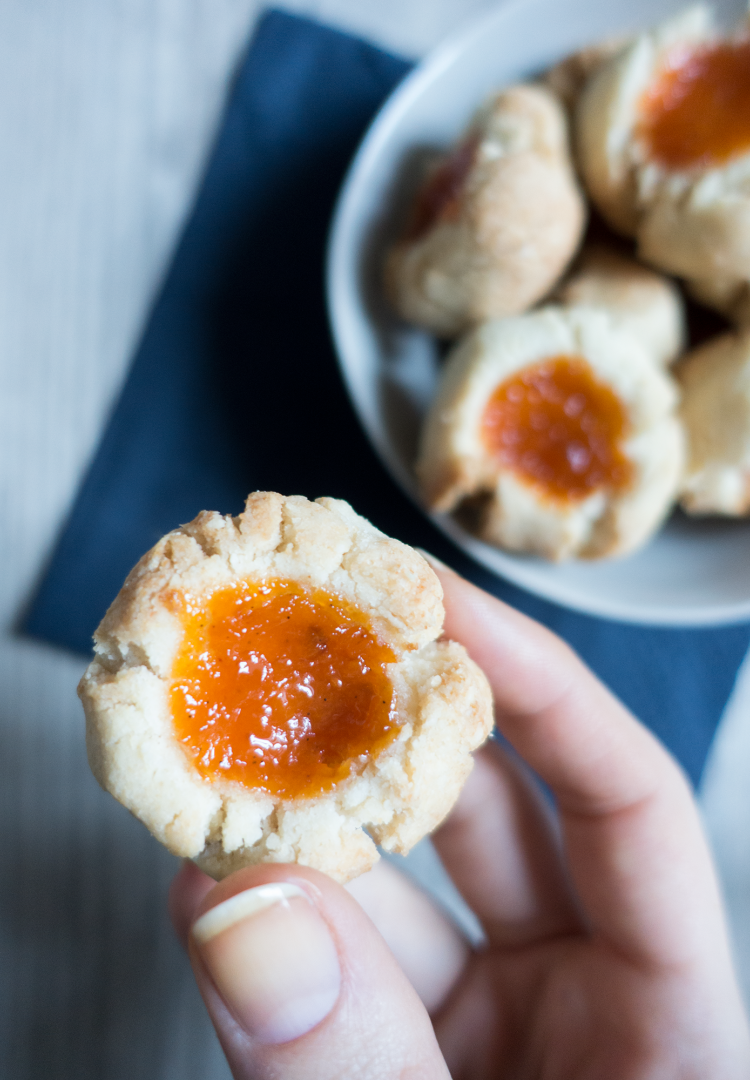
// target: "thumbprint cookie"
[[662, 133], [495, 222], [715, 381], [647, 305], [561, 431], [274, 687]]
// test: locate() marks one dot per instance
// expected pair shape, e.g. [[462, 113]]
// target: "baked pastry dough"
[[568, 77], [663, 158], [730, 296], [646, 304], [439, 711], [496, 223], [619, 450], [715, 381]]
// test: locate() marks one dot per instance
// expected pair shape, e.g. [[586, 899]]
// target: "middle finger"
[[501, 848], [428, 946]]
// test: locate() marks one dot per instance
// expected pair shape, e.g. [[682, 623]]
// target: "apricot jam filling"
[[557, 427], [439, 198], [697, 111], [280, 688]]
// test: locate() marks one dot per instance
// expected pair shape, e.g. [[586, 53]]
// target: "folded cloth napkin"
[[234, 386]]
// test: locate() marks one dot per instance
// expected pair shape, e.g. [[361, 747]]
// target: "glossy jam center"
[[697, 112], [280, 688], [439, 197], [555, 425]]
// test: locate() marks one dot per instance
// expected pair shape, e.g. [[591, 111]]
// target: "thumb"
[[298, 982]]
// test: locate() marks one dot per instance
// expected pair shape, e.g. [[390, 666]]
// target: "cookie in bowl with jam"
[[662, 132], [496, 220], [560, 429]]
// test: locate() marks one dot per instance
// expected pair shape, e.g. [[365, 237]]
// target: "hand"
[[606, 953]]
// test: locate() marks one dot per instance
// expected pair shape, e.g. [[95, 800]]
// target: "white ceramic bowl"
[[694, 572]]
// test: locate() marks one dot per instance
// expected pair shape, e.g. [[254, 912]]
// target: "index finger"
[[633, 839]]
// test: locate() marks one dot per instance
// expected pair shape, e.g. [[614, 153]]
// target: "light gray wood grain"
[[106, 114]]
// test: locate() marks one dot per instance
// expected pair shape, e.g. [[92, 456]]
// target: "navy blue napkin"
[[234, 386]]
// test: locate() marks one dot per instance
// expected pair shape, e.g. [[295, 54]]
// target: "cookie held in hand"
[[267, 687]]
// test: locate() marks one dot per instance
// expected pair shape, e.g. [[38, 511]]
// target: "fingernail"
[[272, 959]]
